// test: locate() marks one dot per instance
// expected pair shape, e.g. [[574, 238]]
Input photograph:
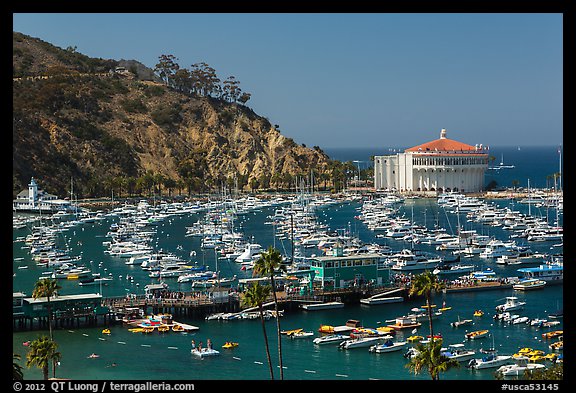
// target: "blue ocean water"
[[167, 357]]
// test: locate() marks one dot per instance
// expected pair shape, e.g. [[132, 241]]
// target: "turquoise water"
[[168, 356]]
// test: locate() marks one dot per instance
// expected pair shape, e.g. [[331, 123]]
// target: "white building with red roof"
[[441, 165]]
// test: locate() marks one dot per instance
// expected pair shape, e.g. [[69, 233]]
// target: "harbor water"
[[136, 356]]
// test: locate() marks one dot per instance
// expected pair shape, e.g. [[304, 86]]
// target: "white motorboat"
[[388, 346], [490, 361], [518, 368], [249, 252], [512, 303], [331, 339], [204, 352], [322, 306], [361, 342], [459, 353], [301, 334]]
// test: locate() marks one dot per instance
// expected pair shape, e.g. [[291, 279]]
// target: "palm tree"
[[17, 374], [255, 296], [269, 262], [46, 288], [42, 352], [423, 284], [429, 356]]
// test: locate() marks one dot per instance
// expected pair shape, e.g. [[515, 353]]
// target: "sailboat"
[[502, 163]]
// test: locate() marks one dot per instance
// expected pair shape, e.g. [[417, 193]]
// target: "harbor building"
[[441, 165], [35, 200], [341, 271]]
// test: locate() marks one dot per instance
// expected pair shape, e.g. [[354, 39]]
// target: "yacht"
[[518, 368], [249, 253]]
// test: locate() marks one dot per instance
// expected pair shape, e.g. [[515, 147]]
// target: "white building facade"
[[442, 165]]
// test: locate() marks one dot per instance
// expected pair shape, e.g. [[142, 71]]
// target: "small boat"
[[458, 352], [512, 303], [301, 334], [529, 284], [520, 320], [361, 342], [553, 334], [136, 330], [388, 346], [476, 334], [331, 339], [106, 331], [557, 346], [148, 329], [178, 328], [490, 361], [327, 329], [461, 322], [415, 338], [229, 345], [163, 328], [405, 323], [93, 356], [519, 368], [478, 313], [204, 352], [322, 306], [290, 332]]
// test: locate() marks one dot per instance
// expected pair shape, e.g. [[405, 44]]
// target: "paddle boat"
[[163, 328], [477, 334], [557, 346], [106, 331], [229, 345], [553, 334], [478, 313], [290, 332], [148, 329], [415, 338], [178, 328]]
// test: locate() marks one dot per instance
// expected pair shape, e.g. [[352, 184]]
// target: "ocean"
[[167, 356]]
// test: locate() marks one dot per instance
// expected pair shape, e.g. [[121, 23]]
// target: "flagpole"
[[560, 167]]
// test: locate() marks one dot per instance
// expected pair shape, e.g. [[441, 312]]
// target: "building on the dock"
[[35, 200], [341, 271], [69, 310], [441, 165]]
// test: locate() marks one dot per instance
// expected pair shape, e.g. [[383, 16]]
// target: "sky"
[[340, 80]]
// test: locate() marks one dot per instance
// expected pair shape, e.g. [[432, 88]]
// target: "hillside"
[[75, 118]]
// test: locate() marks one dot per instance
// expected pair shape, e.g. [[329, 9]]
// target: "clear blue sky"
[[352, 79]]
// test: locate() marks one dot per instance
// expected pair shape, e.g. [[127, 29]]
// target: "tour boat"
[[529, 284]]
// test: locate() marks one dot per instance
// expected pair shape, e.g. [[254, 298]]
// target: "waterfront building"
[[340, 271], [442, 165], [35, 200]]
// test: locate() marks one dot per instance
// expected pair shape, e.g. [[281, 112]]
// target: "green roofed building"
[[340, 271]]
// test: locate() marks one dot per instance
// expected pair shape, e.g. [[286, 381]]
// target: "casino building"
[[442, 165]]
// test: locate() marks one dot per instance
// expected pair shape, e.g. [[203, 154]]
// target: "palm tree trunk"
[[429, 316], [45, 372], [49, 307], [277, 327], [266, 342]]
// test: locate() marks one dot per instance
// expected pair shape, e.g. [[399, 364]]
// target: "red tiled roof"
[[442, 144]]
